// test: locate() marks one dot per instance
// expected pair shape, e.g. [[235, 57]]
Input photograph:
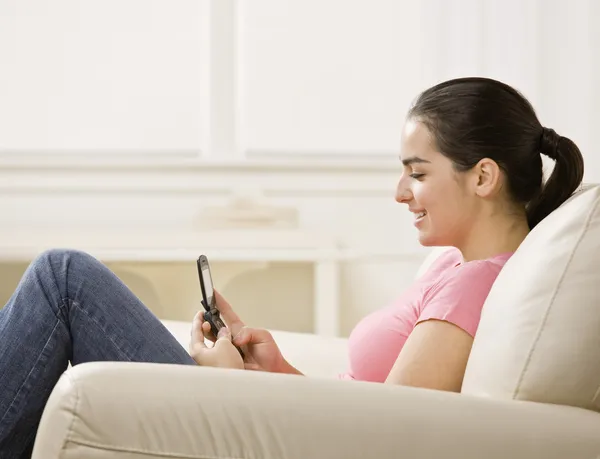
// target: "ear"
[[487, 178]]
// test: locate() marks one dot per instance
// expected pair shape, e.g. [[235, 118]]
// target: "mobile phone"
[[209, 302], [211, 313]]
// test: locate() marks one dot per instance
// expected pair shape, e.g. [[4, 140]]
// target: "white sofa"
[[531, 388]]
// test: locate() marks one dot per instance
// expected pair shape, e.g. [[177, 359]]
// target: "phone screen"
[[206, 277]]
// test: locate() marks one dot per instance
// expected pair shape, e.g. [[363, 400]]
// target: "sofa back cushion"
[[539, 335]]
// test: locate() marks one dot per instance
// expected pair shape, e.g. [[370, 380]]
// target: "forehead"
[[416, 140]]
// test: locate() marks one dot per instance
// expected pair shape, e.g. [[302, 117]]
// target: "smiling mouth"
[[420, 215]]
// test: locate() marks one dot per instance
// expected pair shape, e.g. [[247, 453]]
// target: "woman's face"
[[437, 195]]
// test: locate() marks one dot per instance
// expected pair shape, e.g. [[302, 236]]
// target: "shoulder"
[[479, 268], [469, 279], [456, 271], [448, 258], [460, 291]]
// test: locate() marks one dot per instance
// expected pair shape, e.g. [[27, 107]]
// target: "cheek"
[[425, 195], [442, 203], [449, 213]]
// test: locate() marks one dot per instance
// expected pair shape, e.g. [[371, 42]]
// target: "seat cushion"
[[539, 335]]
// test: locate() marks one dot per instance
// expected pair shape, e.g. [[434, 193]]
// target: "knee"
[[62, 259]]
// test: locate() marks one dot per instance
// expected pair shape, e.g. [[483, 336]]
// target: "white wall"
[[139, 114], [101, 206]]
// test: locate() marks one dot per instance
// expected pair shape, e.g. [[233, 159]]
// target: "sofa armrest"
[[125, 410]]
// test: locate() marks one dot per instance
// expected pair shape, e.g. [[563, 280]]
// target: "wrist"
[[287, 368]]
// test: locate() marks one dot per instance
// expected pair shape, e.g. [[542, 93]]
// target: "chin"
[[430, 240], [426, 241]]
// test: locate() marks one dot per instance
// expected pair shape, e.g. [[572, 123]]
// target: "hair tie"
[[549, 141]]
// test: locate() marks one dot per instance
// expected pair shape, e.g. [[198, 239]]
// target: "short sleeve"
[[458, 297]]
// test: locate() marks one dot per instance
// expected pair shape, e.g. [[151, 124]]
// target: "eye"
[[416, 176]]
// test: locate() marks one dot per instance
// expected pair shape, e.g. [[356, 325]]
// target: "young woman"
[[472, 177]]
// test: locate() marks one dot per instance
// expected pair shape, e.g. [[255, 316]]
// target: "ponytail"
[[564, 180]]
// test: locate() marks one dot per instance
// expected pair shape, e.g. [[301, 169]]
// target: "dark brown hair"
[[475, 118]]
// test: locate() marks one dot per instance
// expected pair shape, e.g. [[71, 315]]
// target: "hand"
[[222, 354], [260, 350]]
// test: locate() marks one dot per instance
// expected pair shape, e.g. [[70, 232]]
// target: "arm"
[[434, 356], [436, 352]]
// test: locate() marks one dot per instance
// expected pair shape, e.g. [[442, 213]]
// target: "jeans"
[[68, 307]]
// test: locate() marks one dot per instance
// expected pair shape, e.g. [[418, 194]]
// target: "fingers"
[[227, 313], [205, 327], [222, 354], [251, 336], [197, 337], [201, 330], [223, 337], [206, 330]]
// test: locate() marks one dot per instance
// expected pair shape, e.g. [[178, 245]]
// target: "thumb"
[[242, 337], [251, 336], [224, 334]]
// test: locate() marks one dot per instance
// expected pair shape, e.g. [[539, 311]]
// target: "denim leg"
[[68, 307]]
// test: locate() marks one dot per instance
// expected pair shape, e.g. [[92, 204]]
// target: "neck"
[[493, 236]]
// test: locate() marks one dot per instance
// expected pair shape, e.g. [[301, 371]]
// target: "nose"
[[403, 193]]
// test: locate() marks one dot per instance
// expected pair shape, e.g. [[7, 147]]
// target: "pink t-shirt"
[[450, 290]]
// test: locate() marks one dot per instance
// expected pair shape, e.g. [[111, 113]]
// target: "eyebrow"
[[414, 160]]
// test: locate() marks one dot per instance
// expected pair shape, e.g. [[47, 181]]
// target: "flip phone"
[[209, 302], [211, 314]]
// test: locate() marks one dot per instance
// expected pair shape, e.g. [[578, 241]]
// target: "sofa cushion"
[[539, 335]]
